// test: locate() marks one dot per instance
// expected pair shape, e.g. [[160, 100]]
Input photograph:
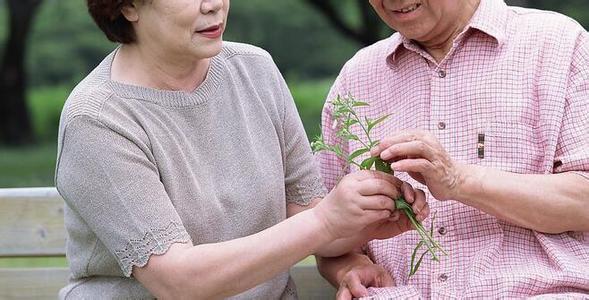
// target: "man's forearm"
[[551, 203]]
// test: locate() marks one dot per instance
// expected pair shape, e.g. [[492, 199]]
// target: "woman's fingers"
[[378, 187]]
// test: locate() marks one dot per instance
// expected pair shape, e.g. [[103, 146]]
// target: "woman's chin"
[[208, 50]]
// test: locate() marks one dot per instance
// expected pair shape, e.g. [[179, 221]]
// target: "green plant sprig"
[[345, 118]]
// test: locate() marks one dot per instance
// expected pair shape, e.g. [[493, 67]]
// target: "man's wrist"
[[470, 183]]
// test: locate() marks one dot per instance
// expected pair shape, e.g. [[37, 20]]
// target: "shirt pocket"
[[511, 146]]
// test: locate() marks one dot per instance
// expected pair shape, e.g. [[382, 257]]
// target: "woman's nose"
[[211, 6]]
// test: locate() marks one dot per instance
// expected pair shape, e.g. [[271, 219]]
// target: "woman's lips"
[[212, 32]]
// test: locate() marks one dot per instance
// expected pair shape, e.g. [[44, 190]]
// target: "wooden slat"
[[32, 283], [31, 223], [310, 285]]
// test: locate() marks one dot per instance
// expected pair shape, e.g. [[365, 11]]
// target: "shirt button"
[[442, 230], [441, 73], [443, 277], [441, 126]]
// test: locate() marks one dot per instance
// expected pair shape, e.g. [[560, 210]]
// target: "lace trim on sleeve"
[[302, 194], [156, 241]]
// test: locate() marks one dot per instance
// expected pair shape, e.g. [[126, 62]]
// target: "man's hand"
[[421, 155], [356, 281]]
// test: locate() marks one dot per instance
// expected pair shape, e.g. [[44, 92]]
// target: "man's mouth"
[[408, 9]]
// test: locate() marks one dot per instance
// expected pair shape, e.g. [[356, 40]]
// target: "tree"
[[365, 27], [15, 125]]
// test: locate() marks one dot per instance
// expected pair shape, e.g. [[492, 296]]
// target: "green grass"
[[40, 262], [30, 166]]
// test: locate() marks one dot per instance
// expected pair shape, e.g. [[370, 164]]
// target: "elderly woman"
[[187, 173]]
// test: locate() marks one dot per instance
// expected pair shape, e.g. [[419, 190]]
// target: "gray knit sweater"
[[141, 169]]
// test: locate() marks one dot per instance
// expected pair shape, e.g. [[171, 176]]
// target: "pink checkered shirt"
[[520, 77]]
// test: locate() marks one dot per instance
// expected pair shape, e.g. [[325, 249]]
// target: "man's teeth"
[[409, 9]]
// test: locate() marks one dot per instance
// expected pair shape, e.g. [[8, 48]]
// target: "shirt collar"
[[490, 18]]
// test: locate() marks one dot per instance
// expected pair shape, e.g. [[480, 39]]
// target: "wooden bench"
[[31, 225]]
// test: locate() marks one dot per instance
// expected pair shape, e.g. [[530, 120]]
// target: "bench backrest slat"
[[31, 284], [31, 223]]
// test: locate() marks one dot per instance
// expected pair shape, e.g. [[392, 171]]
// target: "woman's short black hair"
[[109, 18]]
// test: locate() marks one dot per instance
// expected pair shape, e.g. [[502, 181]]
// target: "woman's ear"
[[130, 12]]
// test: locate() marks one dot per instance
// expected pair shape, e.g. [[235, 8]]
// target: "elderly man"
[[489, 112]]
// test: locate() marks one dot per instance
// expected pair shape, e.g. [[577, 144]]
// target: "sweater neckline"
[[199, 95]]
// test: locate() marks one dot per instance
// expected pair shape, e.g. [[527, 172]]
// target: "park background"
[[47, 46]]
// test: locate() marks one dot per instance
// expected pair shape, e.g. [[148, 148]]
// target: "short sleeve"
[[572, 151], [302, 180], [332, 167], [107, 178]]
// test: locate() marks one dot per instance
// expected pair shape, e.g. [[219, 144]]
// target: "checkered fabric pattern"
[[520, 79]]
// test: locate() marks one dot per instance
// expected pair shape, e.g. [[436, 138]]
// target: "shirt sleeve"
[[332, 167], [110, 179], [572, 150], [302, 179]]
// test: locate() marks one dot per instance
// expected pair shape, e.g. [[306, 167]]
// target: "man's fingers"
[[401, 137], [408, 192], [420, 207], [418, 165], [343, 293], [356, 287], [387, 280], [417, 148]]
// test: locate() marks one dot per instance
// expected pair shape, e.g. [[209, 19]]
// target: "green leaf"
[[379, 120], [418, 263], [401, 204], [367, 163], [383, 166], [360, 103], [357, 153], [350, 122], [412, 269]]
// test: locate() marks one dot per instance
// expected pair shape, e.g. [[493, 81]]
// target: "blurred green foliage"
[[29, 166], [65, 45]]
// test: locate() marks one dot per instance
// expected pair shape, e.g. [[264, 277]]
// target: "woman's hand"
[[398, 222], [360, 199], [421, 155]]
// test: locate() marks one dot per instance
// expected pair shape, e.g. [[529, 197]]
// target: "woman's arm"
[[228, 268], [223, 269]]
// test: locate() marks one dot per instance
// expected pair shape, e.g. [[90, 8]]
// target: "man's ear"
[[130, 12]]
